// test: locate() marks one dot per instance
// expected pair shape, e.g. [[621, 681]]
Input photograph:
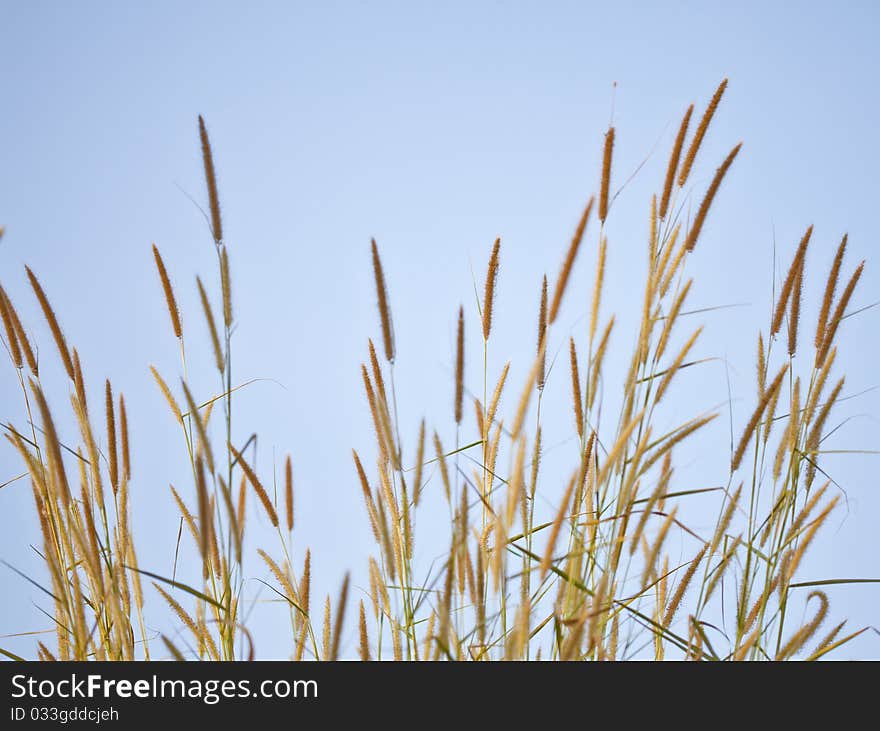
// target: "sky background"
[[434, 128]]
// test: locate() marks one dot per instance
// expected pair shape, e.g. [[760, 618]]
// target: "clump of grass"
[[596, 578]]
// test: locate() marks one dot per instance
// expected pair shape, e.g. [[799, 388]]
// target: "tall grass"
[[597, 581]]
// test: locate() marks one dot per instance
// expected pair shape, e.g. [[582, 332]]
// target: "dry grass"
[[598, 581]]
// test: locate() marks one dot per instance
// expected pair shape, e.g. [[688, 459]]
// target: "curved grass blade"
[[178, 585], [284, 597], [831, 582], [11, 655], [29, 579], [834, 645]]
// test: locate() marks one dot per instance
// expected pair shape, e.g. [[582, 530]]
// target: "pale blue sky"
[[433, 127]]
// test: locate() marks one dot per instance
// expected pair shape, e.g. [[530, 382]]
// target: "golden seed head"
[[700, 134], [489, 289], [700, 219], [288, 492], [11, 336], [788, 284], [111, 437], [211, 182], [170, 299], [606, 174], [384, 309], [568, 263], [672, 167], [52, 321], [830, 287], [542, 334]]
